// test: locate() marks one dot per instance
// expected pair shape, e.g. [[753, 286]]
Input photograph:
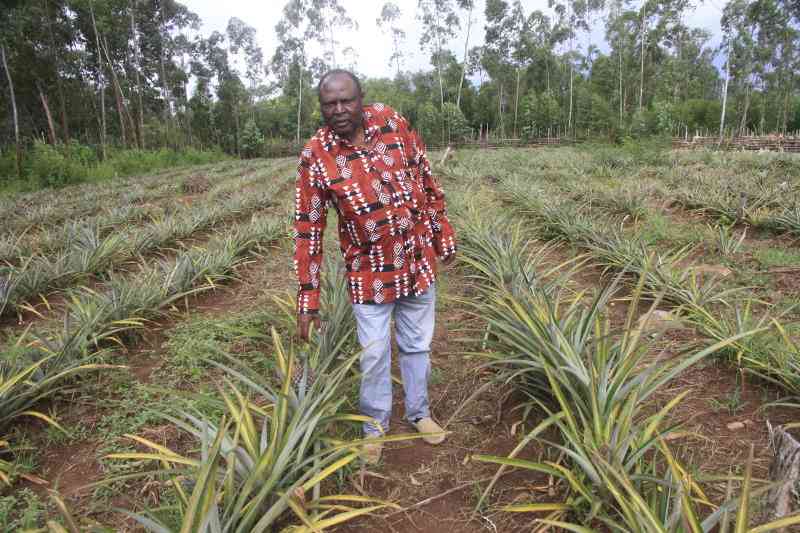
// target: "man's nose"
[[339, 107]]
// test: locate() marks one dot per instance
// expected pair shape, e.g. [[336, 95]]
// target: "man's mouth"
[[343, 123]]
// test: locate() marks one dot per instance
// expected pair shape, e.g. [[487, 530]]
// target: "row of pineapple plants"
[[48, 207], [90, 251], [46, 235], [274, 454], [38, 364], [591, 384], [52, 206], [715, 310]]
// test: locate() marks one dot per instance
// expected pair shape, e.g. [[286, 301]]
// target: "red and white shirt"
[[392, 216]]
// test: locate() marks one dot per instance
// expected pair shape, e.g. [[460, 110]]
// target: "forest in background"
[[85, 83]]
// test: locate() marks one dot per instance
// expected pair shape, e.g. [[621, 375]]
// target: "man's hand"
[[303, 323], [447, 261]]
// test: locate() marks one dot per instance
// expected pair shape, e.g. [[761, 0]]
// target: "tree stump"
[[784, 497], [196, 184]]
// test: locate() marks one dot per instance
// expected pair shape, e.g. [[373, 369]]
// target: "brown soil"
[[70, 468], [440, 485]]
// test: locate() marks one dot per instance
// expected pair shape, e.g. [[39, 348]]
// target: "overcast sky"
[[374, 46]]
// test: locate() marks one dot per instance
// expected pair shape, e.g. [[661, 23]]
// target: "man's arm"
[[309, 225], [444, 238]]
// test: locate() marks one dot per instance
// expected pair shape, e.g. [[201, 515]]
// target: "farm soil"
[[441, 485]]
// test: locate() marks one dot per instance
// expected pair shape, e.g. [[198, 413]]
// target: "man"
[[371, 166]]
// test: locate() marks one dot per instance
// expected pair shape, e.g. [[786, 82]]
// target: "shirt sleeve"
[[310, 216], [444, 238]]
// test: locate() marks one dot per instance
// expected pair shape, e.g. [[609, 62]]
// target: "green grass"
[[56, 166], [200, 338], [777, 257], [21, 510]]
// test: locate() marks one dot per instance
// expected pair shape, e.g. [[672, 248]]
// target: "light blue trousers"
[[414, 321]]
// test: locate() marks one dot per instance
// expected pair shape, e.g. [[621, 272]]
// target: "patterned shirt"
[[392, 217]]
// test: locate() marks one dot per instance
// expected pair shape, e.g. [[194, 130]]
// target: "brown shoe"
[[371, 452], [427, 425]]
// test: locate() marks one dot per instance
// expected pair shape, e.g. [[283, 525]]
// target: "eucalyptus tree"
[[330, 17], [467, 5], [7, 33], [741, 46], [440, 23], [389, 19], [304, 21], [244, 47], [569, 22]]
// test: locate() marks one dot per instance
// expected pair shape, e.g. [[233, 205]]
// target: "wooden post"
[[784, 470]]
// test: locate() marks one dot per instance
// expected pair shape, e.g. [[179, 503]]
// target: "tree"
[[14, 108], [440, 23], [469, 5], [252, 139], [390, 15]]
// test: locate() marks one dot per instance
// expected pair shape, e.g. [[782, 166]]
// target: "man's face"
[[340, 103]]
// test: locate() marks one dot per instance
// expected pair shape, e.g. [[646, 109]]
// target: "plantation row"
[[706, 301], [40, 363], [105, 204], [597, 393], [593, 383], [87, 252]]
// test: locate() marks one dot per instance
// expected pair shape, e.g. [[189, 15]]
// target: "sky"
[[373, 46]]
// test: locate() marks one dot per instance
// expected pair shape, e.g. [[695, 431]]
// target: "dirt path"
[[440, 483]]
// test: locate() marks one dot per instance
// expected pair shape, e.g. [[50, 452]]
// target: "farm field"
[[620, 326]]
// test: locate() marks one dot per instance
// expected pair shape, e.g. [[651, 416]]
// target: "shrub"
[[252, 141], [8, 164], [50, 168]]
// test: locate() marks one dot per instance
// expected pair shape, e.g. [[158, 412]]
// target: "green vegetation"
[[56, 166], [151, 87], [584, 283]]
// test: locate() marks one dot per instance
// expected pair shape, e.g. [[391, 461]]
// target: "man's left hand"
[[447, 261]]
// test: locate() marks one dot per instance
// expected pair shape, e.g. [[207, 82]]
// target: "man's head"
[[340, 100]]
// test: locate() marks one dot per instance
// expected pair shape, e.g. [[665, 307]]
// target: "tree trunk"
[[51, 129], [164, 84], [63, 112], [743, 121], [621, 97], [547, 71], [641, 70], [13, 110], [101, 83], [785, 121], [571, 79], [120, 114], [500, 110], [59, 85], [466, 52], [439, 58], [122, 111], [236, 122], [299, 104], [137, 68], [333, 45], [516, 104], [725, 96]]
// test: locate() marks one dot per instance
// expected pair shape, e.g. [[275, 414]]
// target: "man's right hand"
[[303, 324]]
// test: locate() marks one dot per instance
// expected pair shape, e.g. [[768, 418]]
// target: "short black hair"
[[339, 72]]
